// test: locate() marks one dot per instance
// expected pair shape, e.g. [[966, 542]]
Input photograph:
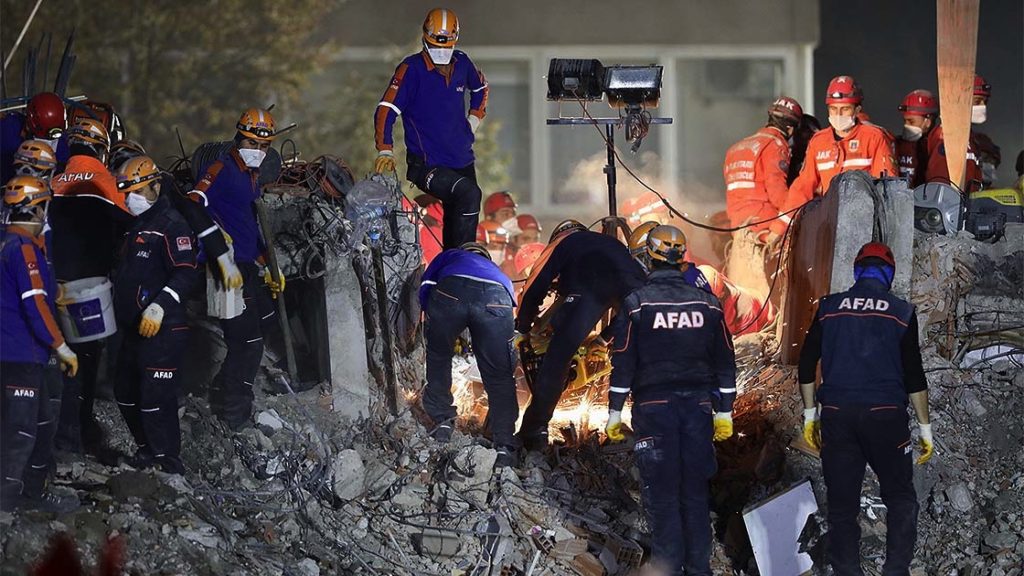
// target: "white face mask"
[[979, 113], [439, 56], [841, 123], [137, 203], [512, 226], [912, 133], [497, 256], [252, 157]]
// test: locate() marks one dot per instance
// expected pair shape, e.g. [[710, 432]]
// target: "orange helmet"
[[135, 173], [638, 239], [490, 232], [90, 131], [843, 90], [527, 256], [497, 201], [24, 192], [920, 103], [666, 244], [441, 28], [35, 154], [258, 124]]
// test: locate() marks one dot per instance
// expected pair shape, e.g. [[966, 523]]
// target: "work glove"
[[927, 446], [474, 123], [812, 428], [62, 300], [385, 162], [152, 318], [519, 338], [614, 426], [230, 275], [723, 426], [68, 359], [275, 287]]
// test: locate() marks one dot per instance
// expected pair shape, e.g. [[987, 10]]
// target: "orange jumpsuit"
[[744, 312], [936, 169], [755, 177]]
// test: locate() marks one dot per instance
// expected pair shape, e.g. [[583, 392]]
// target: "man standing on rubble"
[[672, 351], [594, 272], [867, 341], [428, 91], [463, 288]]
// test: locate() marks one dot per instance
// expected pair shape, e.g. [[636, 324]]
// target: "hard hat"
[[528, 222], [874, 250], [527, 256], [981, 88], [476, 248], [566, 227], [786, 109], [843, 90], [258, 124], [90, 131], [490, 232], [497, 201], [638, 238], [37, 154], [122, 150], [23, 192], [136, 173], [45, 116], [919, 103], [666, 244], [441, 28]]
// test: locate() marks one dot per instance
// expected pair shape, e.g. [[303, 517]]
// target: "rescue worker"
[[500, 207], [463, 288], [848, 144], [35, 158], [647, 206], [594, 272], [529, 231], [806, 130], [638, 250], [229, 189], [45, 118], [989, 155], [867, 341], [755, 172], [526, 257], [155, 276], [744, 311], [495, 238], [673, 415], [428, 91], [920, 109], [122, 151], [29, 338]]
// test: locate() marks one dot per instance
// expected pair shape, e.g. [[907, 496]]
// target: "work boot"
[[51, 502], [533, 442], [506, 457], [141, 460], [171, 465], [443, 433]]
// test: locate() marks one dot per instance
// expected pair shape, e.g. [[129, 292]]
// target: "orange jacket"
[[867, 147], [744, 312], [755, 177], [936, 169], [87, 176]]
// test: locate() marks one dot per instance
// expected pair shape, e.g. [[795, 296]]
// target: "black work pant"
[[146, 389], [571, 324], [486, 309], [231, 393], [458, 192], [676, 457], [852, 436], [26, 447], [77, 424]]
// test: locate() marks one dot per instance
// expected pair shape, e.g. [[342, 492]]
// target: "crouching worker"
[[462, 288], [671, 350], [156, 274], [30, 337]]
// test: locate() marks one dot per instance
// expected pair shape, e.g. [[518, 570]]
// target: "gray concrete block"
[[350, 373]]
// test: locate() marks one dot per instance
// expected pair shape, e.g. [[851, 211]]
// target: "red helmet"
[[489, 232], [919, 103], [45, 116], [875, 250], [528, 222], [527, 256], [843, 90], [786, 109], [497, 201], [981, 88]]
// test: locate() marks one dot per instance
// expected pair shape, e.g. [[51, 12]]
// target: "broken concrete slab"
[[349, 474], [346, 337]]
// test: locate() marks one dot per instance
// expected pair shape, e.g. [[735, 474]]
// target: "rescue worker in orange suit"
[[744, 312], [673, 401], [867, 341], [529, 231], [88, 218], [495, 238], [428, 91], [155, 276], [229, 190], [989, 155], [920, 113], [29, 340], [755, 171], [500, 207], [45, 118], [848, 144], [594, 272]]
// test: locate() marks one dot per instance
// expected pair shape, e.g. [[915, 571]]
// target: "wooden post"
[[957, 28]]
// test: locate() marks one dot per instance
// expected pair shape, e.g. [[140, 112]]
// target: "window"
[[509, 108]]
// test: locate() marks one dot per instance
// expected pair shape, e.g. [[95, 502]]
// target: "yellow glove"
[[275, 287], [926, 443], [812, 428], [229, 272], [62, 298], [614, 426], [152, 318], [519, 338], [723, 426], [385, 162], [68, 359]]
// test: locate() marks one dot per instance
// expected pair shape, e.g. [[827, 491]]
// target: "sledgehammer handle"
[[286, 329]]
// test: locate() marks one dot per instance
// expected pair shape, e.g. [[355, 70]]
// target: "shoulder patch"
[[184, 243]]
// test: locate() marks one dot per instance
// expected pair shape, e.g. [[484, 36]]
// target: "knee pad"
[[453, 188]]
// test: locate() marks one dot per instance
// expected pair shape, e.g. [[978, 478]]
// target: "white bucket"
[[89, 312], [221, 303]]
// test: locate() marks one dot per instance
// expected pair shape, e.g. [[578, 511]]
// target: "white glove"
[[474, 123], [152, 318], [68, 359], [229, 271], [810, 414], [614, 426]]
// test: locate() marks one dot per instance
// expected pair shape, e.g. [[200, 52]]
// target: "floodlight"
[[633, 87], [575, 79]]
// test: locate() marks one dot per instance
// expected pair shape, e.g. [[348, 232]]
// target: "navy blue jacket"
[[28, 289], [456, 262], [229, 190], [670, 336], [867, 341]]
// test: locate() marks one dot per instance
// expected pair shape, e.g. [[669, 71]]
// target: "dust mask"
[[912, 133], [841, 123], [137, 203], [439, 56], [979, 113], [252, 158], [512, 226]]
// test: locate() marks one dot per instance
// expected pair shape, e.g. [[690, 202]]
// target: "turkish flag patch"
[[184, 243]]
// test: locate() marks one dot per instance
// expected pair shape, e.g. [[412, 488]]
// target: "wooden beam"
[[957, 28]]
